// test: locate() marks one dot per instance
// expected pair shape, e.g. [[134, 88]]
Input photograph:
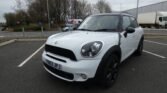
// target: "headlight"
[[91, 49]]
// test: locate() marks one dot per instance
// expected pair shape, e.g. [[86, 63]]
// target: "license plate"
[[54, 65]]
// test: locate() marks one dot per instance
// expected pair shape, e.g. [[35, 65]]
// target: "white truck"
[[153, 19]]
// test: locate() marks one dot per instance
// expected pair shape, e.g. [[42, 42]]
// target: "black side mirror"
[[130, 30]]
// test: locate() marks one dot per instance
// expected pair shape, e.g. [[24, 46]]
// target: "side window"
[[160, 19], [134, 23], [126, 22]]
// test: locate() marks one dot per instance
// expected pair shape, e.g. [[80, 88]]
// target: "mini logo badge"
[[56, 42]]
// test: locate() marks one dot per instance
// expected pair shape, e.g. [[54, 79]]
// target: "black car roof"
[[122, 14]]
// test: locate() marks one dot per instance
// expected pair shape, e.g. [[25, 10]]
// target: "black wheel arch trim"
[[113, 50], [142, 38]]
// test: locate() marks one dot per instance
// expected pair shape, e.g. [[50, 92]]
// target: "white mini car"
[[95, 49]]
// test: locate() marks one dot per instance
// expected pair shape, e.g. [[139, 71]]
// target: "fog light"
[[83, 76]]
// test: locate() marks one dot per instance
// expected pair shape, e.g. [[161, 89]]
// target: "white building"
[[162, 6]]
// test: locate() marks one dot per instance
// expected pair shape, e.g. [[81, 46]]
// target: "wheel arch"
[[141, 38], [113, 50]]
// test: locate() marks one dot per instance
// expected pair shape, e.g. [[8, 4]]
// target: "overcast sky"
[[116, 5]]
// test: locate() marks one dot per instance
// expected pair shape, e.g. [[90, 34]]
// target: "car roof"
[[115, 13]]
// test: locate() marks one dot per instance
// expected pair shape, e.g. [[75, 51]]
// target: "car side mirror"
[[130, 30]]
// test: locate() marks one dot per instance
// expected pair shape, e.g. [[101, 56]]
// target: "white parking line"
[[160, 56], [7, 42], [155, 42], [2, 36], [26, 60]]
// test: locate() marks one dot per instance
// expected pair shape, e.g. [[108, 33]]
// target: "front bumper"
[[80, 70]]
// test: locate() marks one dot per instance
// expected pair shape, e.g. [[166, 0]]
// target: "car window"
[[126, 22], [97, 23], [134, 23], [164, 18], [160, 19]]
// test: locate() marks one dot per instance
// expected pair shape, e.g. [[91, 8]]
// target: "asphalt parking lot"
[[21, 71]]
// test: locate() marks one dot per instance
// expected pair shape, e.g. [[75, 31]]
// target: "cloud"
[[6, 6], [118, 5]]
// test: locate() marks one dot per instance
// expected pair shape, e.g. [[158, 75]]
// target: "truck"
[[153, 19]]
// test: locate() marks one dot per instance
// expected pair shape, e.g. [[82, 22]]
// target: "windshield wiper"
[[85, 29], [107, 30]]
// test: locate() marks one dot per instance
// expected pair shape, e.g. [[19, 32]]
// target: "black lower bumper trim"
[[60, 73]]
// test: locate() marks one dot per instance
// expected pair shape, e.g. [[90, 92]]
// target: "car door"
[[126, 42], [138, 32]]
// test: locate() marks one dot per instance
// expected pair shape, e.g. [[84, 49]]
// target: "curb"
[[155, 34], [147, 29]]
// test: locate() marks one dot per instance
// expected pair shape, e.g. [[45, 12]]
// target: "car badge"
[[56, 42]]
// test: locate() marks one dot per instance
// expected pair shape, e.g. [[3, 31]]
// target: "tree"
[[10, 19], [60, 10], [22, 17], [80, 9], [103, 7]]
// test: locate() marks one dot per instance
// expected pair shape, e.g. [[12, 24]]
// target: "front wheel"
[[110, 73]]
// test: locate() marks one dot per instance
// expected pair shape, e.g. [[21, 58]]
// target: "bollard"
[[23, 32], [42, 32]]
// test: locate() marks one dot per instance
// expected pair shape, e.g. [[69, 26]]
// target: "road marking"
[[2, 36], [160, 56], [32, 55], [155, 42], [7, 42], [24, 40]]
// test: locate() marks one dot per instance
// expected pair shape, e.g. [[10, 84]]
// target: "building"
[[162, 6]]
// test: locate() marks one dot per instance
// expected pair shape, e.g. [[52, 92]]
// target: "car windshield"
[[100, 23], [164, 18]]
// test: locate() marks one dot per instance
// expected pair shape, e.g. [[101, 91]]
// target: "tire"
[[110, 71], [139, 50]]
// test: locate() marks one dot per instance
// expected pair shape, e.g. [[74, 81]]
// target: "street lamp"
[[137, 9], [48, 14]]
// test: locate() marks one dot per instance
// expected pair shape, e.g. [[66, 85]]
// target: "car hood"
[[74, 39]]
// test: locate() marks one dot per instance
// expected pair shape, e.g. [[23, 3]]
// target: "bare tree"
[[60, 10], [103, 7], [80, 8], [10, 19]]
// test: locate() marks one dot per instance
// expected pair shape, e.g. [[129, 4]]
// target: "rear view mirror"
[[130, 30]]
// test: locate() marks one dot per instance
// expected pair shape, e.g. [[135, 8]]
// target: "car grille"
[[60, 73], [61, 52], [61, 60]]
